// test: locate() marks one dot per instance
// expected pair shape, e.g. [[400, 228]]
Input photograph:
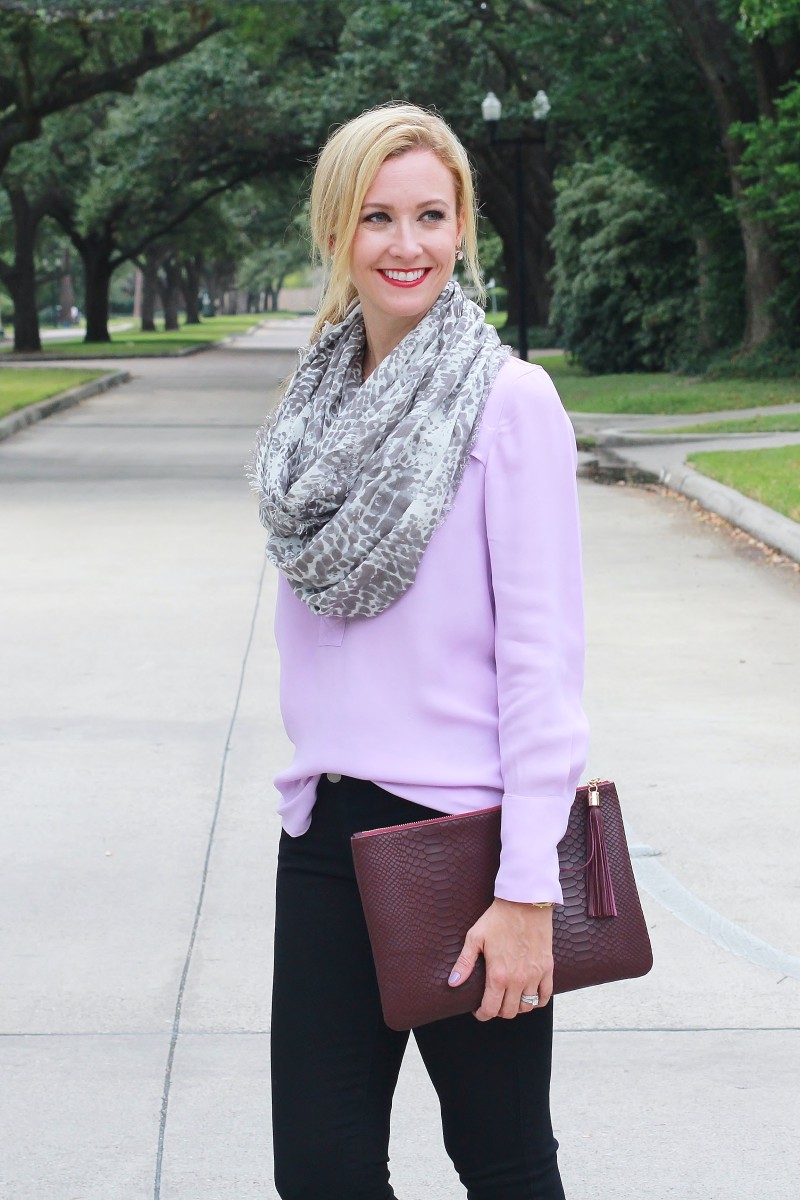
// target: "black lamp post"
[[492, 110]]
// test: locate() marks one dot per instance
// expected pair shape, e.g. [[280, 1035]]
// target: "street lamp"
[[492, 110]]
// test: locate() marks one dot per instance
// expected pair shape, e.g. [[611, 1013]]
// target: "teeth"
[[404, 276]]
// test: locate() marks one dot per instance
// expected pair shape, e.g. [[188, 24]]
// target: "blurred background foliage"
[[662, 192]]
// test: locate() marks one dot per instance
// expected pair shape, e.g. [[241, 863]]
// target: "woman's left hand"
[[516, 941]]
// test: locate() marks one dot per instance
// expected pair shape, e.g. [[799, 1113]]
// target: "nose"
[[405, 244]]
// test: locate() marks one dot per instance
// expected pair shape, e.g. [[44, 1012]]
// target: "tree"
[[272, 230], [60, 66], [191, 133], [447, 54], [18, 268], [54, 57], [624, 270], [619, 81], [770, 170], [744, 82], [758, 16], [50, 61]]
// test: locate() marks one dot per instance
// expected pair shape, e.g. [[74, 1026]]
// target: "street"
[[140, 735]]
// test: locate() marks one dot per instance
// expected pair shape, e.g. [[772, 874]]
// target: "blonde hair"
[[345, 171]]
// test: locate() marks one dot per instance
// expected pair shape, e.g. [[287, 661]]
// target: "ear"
[[331, 245], [460, 227]]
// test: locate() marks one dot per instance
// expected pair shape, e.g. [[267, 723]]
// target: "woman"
[[418, 485]]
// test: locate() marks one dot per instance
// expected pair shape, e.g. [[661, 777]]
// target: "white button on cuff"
[[332, 777]]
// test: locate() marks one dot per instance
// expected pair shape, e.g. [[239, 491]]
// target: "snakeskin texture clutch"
[[423, 885]]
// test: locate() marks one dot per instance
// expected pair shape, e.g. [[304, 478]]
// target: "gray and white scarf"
[[354, 477]]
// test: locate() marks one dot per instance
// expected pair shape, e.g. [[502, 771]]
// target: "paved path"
[[139, 734]]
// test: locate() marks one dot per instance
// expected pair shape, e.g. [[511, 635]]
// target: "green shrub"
[[624, 281], [775, 359]]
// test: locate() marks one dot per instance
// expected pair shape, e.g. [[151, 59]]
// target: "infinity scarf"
[[354, 477]]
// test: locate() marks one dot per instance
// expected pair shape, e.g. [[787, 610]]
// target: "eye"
[[376, 218], [433, 215]]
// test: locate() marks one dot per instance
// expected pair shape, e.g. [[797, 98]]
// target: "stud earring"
[[459, 254]]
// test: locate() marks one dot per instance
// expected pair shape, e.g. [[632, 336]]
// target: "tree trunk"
[[170, 294], [21, 285], [230, 302], [67, 296], [705, 334], [149, 293], [219, 279], [210, 277], [19, 277], [762, 276], [95, 252], [190, 287], [708, 39]]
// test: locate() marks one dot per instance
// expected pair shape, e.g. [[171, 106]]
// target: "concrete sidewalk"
[[140, 734]]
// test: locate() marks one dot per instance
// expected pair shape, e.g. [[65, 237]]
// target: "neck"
[[382, 339]]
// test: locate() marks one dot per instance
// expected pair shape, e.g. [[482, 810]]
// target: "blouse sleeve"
[[534, 549]]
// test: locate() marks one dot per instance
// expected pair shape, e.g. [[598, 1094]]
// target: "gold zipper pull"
[[594, 793]]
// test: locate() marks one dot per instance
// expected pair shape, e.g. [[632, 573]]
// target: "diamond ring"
[[532, 1000]]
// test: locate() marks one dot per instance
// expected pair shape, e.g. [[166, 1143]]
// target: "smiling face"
[[405, 244]]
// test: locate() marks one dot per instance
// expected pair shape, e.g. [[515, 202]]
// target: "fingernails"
[[455, 976]]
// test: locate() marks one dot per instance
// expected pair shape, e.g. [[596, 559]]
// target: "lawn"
[[767, 423], [771, 476], [662, 393], [129, 343], [21, 386]]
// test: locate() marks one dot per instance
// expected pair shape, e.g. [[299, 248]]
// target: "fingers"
[[545, 988], [516, 942], [504, 999], [465, 963], [494, 995], [528, 1001], [541, 994]]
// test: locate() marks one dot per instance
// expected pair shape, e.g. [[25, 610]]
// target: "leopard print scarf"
[[354, 477]]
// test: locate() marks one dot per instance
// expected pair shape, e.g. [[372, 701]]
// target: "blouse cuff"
[[531, 828]]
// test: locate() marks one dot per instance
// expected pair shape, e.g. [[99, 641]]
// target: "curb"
[[611, 437], [760, 521], [45, 408]]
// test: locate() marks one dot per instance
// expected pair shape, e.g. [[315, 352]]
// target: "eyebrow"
[[425, 204]]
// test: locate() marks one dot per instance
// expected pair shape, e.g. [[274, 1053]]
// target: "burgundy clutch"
[[425, 884]]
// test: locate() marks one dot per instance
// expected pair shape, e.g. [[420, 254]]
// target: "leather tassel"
[[600, 889]]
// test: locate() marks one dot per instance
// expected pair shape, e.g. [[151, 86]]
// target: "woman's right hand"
[[516, 941]]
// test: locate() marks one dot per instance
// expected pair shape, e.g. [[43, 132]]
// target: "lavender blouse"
[[466, 692]]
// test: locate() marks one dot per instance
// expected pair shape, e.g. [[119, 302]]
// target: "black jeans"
[[335, 1063]]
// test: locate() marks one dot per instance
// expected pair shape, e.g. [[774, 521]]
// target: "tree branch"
[[172, 223], [120, 78], [707, 39]]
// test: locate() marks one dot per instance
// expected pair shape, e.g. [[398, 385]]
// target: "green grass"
[[771, 476], [130, 343], [769, 423], [662, 393], [20, 386]]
